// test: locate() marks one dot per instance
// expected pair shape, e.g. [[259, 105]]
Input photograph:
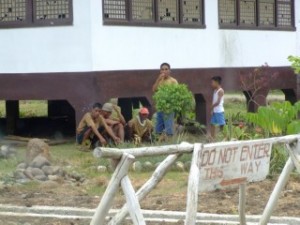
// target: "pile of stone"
[[7, 151], [37, 165]]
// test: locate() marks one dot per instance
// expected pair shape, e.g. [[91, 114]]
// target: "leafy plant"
[[276, 119], [232, 130], [176, 99], [279, 157], [295, 60]]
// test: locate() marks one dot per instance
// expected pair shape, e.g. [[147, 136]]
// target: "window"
[[257, 14], [154, 12], [25, 13]]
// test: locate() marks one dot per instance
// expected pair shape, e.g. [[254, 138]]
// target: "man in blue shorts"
[[217, 107]]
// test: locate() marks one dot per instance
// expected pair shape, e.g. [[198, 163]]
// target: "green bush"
[[295, 60], [176, 99], [279, 118]]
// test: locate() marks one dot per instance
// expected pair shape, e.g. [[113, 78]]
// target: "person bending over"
[[116, 125], [140, 127], [91, 127]]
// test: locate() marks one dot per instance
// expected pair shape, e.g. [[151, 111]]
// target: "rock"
[[39, 161], [41, 177], [37, 147], [76, 176], [4, 151], [102, 169], [187, 165], [54, 177], [21, 166], [51, 170], [37, 172], [28, 173], [137, 166], [148, 166], [19, 174], [180, 166]]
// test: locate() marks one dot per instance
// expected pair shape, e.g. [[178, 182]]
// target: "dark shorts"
[[80, 136]]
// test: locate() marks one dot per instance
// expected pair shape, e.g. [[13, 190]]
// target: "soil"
[[220, 202]]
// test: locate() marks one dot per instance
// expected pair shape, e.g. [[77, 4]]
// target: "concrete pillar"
[[12, 115]]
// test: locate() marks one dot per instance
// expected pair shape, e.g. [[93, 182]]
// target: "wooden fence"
[[213, 166]]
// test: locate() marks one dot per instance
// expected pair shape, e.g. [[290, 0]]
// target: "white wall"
[[48, 49], [90, 46], [146, 48]]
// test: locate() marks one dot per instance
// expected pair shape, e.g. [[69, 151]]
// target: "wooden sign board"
[[233, 163]]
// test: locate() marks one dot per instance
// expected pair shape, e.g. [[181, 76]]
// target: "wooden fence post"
[[242, 204], [156, 177], [282, 181], [132, 202], [193, 187], [113, 186]]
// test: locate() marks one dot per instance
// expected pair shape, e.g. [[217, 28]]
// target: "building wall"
[[90, 46], [146, 48]]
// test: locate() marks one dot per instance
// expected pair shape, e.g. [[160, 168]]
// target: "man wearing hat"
[[140, 127], [91, 127], [115, 125]]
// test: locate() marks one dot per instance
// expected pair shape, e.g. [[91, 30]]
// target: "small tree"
[[257, 81], [176, 99]]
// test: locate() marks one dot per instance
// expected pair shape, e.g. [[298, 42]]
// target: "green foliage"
[[279, 157], [235, 131], [276, 119], [174, 99], [295, 60]]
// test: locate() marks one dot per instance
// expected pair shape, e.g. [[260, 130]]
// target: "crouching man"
[[91, 128], [140, 127]]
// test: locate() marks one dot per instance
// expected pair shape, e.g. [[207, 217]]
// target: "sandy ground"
[[220, 202]]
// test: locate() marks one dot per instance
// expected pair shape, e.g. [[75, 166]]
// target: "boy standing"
[[217, 108], [164, 122]]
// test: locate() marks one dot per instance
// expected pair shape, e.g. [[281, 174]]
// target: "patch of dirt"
[[162, 198]]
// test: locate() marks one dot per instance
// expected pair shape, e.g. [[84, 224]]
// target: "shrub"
[[176, 99], [276, 119], [295, 60]]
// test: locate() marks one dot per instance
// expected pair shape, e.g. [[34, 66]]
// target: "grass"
[[68, 157], [28, 108]]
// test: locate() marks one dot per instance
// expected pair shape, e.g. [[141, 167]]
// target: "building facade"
[[91, 50]]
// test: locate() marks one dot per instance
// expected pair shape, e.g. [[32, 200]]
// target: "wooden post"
[[113, 186], [193, 187], [144, 151], [242, 204], [156, 177], [282, 181], [132, 202]]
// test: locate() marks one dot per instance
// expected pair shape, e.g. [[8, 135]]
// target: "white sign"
[[233, 163]]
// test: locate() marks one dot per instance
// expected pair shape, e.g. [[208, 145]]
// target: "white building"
[[51, 37]]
